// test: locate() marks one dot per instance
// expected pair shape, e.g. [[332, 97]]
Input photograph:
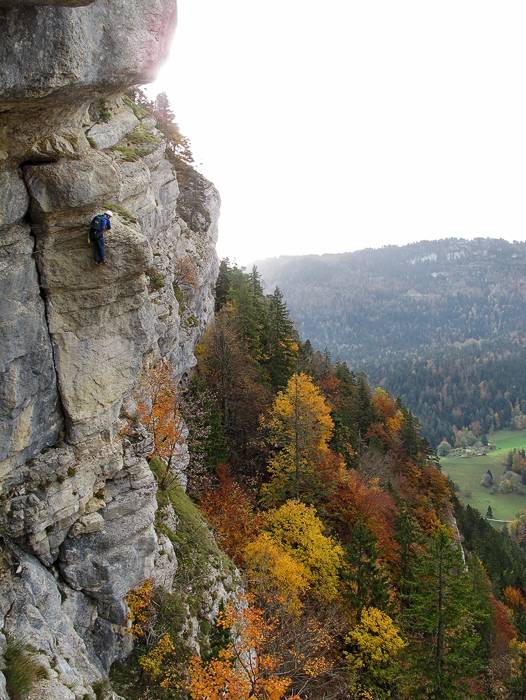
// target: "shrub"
[[104, 109], [139, 110], [141, 135], [21, 670], [124, 213], [156, 279]]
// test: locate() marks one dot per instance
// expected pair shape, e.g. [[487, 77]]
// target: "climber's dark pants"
[[98, 249]]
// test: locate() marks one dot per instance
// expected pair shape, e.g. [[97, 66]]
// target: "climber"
[[99, 224]]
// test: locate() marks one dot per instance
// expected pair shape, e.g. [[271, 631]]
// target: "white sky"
[[333, 125]]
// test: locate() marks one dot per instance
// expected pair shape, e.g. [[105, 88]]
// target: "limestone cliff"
[[78, 498]]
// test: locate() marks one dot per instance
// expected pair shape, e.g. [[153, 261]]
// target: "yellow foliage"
[[140, 608], [160, 664], [385, 407], [301, 416], [276, 575], [297, 529], [300, 428], [373, 646], [518, 663]]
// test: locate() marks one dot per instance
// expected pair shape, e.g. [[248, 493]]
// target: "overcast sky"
[[334, 125]]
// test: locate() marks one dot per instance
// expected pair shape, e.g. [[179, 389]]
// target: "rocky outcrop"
[[79, 500]]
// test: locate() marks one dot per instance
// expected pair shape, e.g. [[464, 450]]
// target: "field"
[[467, 472]]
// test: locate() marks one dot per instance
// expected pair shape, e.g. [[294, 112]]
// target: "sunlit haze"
[[337, 125]]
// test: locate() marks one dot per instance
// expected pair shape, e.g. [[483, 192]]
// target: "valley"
[[467, 474]]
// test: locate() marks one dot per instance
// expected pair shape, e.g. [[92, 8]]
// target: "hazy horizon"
[[354, 125]]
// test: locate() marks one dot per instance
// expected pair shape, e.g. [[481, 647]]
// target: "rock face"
[[79, 500]]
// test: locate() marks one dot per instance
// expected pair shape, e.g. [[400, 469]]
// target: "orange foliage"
[[242, 670], [230, 512], [390, 418], [427, 492], [158, 412], [503, 629], [514, 597], [330, 386], [354, 500]]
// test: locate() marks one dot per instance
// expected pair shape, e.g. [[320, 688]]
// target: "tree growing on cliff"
[[158, 411], [178, 145], [243, 669], [299, 427]]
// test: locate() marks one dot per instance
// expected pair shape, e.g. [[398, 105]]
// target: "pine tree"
[[439, 620], [281, 342], [162, 109], [367, 586], [222, 287], [405, 534], [362, 409]]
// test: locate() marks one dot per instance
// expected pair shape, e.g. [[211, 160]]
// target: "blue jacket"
[[99, 224]]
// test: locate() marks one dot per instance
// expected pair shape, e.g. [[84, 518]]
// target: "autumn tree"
[[243, 669], [231, 513], [158, 411], [275, 575], [299, 427], [296, 527], [372, 649]]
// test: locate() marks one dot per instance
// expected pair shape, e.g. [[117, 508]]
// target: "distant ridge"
[[455, 303]]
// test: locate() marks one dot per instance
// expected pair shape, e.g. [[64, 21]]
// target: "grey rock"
[[165, 564], [66, 185], [28, 3], [104, 135], [3, 690], [63, 53], [30, 416], [109, 563], [14, 200]]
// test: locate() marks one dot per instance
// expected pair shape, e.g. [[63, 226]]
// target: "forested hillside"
[[441, 323], [324, 494]]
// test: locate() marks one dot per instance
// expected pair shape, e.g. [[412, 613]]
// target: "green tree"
[[222, 287], [440, 621], [281, 342], [366, 584], [406, 536]]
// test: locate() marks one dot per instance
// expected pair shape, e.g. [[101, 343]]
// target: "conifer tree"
[[367, 586], [405, 534], [222, 287], [281, 346], [362, 408], [439, 620]]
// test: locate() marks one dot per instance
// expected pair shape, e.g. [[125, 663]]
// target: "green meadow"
[[467, 473]]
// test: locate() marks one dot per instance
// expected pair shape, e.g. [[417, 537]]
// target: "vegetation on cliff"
[[331, 504]]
